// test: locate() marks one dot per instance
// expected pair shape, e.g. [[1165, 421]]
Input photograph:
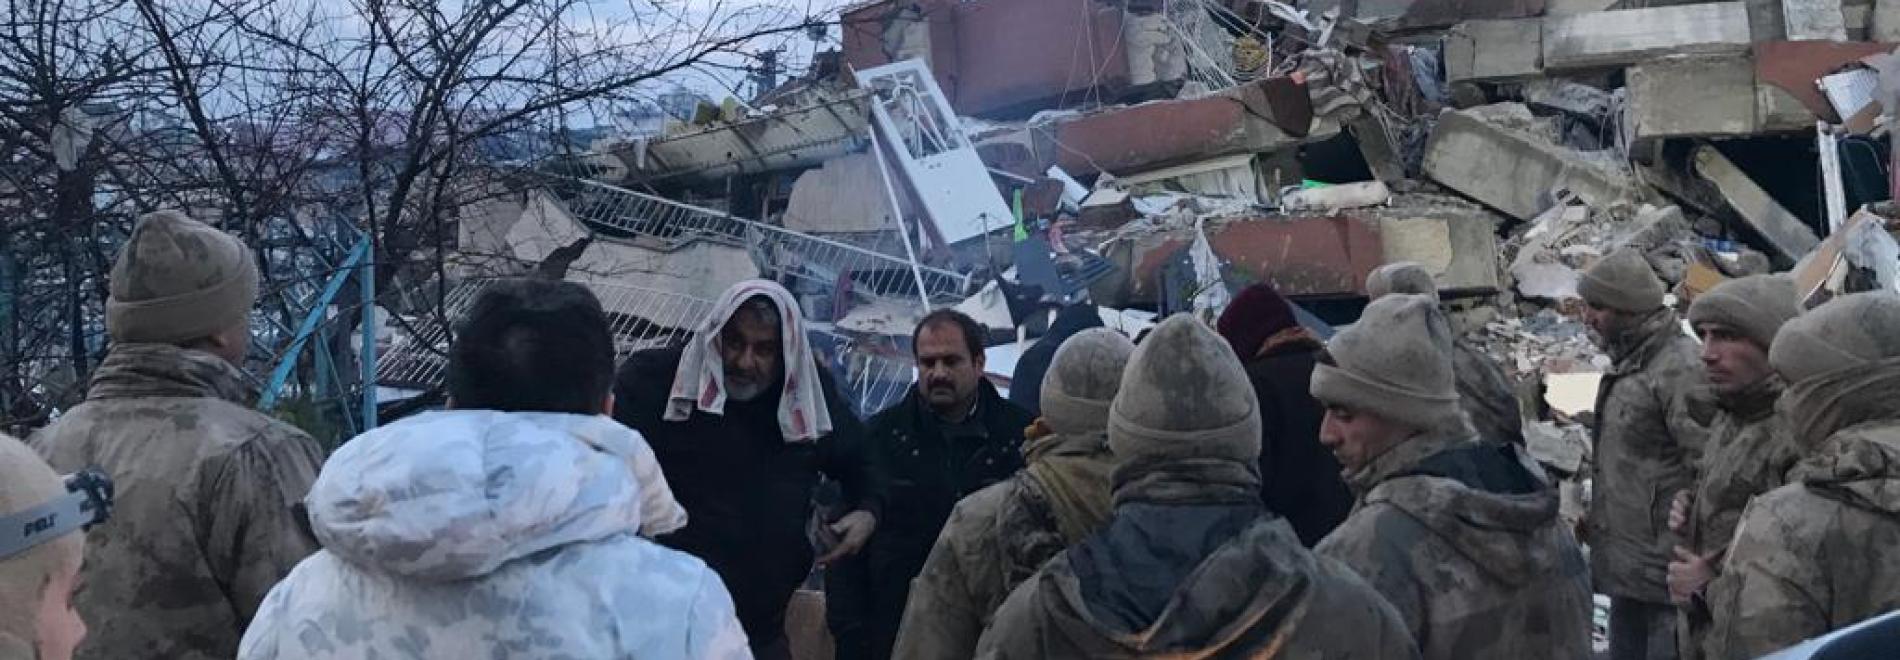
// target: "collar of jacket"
[[162, 370], [1064, 444], [1818, 407], [988, 401], [1753, 403], [1631, 352], [1405, 457]]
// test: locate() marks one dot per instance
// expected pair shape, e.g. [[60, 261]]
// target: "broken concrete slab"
[[1513, 171], [844, 195], [1784, 232], [1884, 24], [1814, 20], [1574, 7], [1401, 15], [1765, 22], [1456, 241], [1777, 111], [1494, 50], [1301, 255], [694, 267], [1625, 37], [1691, 96], [1157, 134]]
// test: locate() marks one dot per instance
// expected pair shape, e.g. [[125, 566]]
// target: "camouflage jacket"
[[207, 514], [995, 539], [1257, 595], [1465, 542], [1747, 455], [1818, 554], [1191, 566], [1647, 442], [481, 534]]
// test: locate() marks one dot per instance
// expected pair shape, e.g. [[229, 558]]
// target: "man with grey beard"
[[743, 421]]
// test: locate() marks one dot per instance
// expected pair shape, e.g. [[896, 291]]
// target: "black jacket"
[[747, 492], [928, 476], [1300, 479], [1025, 385]]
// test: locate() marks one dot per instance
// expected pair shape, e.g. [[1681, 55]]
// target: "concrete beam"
[[1693, 96], [1785, 234], [1512, 171], [1625, 37], [1814, 20], [1494, 50]]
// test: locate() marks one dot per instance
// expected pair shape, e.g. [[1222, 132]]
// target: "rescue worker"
[[1747, 453], [1646, 444], [953, 434], [1025, 383], [505, 525], [1299, 478], [1822, 552], [744, 420], [999, 536], [216, 518], [39, 564], [1456, 532], [1484, 391], [1190, 565]]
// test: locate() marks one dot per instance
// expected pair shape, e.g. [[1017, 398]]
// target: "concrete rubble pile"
[[1156, 156]]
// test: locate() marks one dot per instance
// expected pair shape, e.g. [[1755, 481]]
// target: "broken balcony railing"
[[642, 319], [821, 262]]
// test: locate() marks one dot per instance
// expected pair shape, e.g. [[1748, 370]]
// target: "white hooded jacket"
[[482, 534]]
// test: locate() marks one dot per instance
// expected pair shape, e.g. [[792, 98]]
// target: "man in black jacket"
[[952, 435], [743, 421]]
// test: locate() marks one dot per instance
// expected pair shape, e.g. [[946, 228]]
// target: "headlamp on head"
[[87, 502]]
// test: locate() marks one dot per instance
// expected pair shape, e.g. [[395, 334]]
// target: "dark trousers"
[[1641, 630]]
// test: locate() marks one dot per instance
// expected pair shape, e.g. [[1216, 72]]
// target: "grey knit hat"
[[1848, 331], [1623, 281], [1184, 395], [1083, 379], [1400, 277], [1756, 306], [1394, 363], [178, 279]]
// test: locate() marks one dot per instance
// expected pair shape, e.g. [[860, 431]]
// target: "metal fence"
[[872, 377], [822, 263]]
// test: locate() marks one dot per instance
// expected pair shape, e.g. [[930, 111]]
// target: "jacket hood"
[[1206, 614], [456, 494], [1859, 465], [1483, 503]]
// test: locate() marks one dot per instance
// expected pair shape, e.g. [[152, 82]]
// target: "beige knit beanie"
[[27, 482], [1756, 306], [1622, 281], [1848, 331], [1083, 378], [1400, 277], [1184, 396], [178, 279], [1395, 363]]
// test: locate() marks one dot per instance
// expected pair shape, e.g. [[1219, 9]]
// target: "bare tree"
[[299, 125]]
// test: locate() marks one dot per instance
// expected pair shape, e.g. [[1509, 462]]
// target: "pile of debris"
[[1154, 156]]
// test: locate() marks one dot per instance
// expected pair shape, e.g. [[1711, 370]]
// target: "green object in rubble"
[[1022, 233]]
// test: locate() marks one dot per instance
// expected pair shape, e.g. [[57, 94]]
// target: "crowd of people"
[[1239, 489]]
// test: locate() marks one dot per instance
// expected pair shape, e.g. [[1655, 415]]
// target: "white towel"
[[700, 383]]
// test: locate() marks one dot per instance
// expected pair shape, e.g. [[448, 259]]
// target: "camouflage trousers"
[[1642, 630]]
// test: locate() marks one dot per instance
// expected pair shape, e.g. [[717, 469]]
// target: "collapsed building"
[[1153, 156]]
